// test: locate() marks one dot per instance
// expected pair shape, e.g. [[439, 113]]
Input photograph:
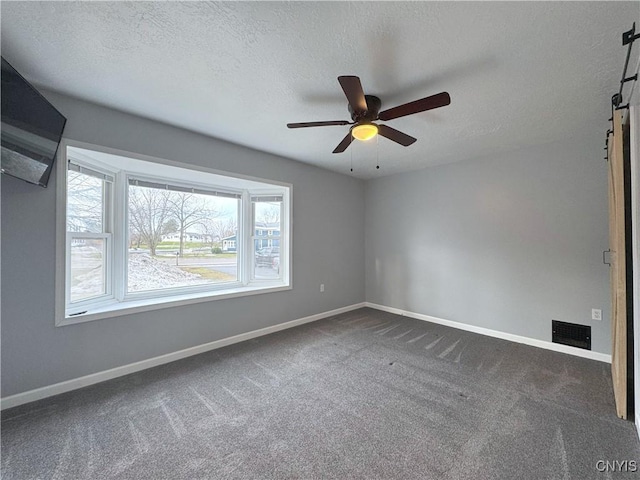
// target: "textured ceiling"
[[518, 73]]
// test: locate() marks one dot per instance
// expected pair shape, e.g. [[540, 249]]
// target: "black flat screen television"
[[31, 129]]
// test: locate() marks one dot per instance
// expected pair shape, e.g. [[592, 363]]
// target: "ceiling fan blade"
[[354, 93], [422, 105], [344, 144], [317, 124], [395, 135]]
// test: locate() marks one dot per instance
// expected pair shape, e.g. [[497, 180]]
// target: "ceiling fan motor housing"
[[371, 114]]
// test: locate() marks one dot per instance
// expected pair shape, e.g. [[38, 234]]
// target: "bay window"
[[143, 234]]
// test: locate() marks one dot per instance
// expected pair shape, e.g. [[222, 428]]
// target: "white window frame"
[[168, 292], [118, 301], [268, 238], [73, 308]]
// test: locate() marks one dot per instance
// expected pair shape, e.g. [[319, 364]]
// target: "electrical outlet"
[[322, 287], [596, 314]]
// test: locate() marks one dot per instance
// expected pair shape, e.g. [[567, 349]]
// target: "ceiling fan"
[[365, 109]]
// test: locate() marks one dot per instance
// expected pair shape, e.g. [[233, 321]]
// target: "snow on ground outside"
[[145, 273]]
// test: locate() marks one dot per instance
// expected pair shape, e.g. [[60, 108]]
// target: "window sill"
[[119, 309]]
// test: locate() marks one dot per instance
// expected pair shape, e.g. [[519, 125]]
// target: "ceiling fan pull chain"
[[377, 152], [351, 154]]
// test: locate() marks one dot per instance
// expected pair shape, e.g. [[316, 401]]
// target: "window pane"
[[87, 268], [266, 240], [179, 239], [85, 203]]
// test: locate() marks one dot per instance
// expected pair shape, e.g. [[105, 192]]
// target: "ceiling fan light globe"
[[364, 132]]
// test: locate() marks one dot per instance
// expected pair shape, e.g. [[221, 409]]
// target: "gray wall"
[[507, 242], [328, 226]]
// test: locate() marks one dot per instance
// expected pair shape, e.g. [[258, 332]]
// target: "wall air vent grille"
[[571, 334]]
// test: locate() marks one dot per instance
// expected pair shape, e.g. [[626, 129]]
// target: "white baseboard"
[[578, 352], [75, 383]]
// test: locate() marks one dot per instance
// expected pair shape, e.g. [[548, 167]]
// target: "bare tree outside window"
[[268, 213], [190, 210], [218, 228], [84, 203], [149, 215], [176, 227]]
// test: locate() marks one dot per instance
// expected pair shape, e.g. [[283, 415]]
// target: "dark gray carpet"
[[361, 395]]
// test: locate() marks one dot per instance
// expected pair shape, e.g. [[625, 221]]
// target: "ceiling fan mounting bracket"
[[373, 107]]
